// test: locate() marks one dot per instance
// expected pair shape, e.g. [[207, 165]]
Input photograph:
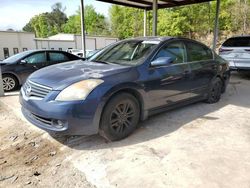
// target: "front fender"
[[123, 87]]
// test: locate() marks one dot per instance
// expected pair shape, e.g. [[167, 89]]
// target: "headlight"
[[79, 90]]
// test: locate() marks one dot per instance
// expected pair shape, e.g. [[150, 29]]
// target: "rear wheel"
[[215, 91], [120, 117], [10, 83]]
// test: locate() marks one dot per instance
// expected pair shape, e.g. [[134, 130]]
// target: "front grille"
[[32, 89]]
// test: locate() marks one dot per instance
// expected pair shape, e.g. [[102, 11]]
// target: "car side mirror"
[[23, 62], [162, 61]]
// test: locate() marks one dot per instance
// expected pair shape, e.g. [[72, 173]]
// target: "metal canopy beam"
[[1, 84], [155, 16], [216, 24], [83, 29], [145, 23]]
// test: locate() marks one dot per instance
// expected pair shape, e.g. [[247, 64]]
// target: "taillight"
[[225, 50]]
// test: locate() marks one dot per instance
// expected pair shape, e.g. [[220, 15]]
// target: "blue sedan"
[[121, 85]]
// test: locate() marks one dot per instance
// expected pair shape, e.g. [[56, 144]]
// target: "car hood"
[[2, 63], [62, 75]]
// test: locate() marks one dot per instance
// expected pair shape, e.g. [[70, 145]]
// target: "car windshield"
[[16, 57], [130, 52]]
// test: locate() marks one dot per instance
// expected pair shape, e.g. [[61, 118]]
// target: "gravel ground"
[[199, 145]]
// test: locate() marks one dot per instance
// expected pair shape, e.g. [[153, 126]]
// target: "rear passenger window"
[[237, 42], [57, 57], [197, 52]]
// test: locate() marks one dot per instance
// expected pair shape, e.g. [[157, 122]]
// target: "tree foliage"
[[126, 22], [95, 23], [49, 23], [191, 21]]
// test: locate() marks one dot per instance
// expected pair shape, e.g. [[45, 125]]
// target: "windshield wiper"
[[98, 61]]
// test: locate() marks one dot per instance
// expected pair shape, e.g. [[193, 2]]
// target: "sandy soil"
[[199, 145]]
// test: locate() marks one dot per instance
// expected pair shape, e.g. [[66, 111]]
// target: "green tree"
[[49, 23], [95, 23], [126, 22]]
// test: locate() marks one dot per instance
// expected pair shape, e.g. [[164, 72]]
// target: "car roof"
[[152, 38], [44, 50], [161, 39]]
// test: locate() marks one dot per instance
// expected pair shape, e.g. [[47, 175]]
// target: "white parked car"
[[78, 52], [236, 51]]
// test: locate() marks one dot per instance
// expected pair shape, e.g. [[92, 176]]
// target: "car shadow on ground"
[[163, 124]]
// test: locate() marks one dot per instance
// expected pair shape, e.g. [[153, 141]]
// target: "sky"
[[16, 13]]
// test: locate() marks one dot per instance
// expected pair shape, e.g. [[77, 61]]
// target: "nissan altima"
[[123, 84]]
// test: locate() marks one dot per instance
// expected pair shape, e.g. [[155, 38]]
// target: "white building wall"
[[54, 44], [95, 42], [25, 40], [20, 40]]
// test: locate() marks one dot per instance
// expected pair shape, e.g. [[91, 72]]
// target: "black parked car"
[[17, 68]]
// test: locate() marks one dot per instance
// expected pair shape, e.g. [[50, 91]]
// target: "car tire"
[[120, 117], [10, 83], [214, 93]]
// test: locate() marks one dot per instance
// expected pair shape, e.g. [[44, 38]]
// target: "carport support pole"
[[155, 14], [83, 29], [216, 24], [145, 23], [1, 84]]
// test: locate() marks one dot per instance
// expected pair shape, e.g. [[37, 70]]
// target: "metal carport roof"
[[148, 4]]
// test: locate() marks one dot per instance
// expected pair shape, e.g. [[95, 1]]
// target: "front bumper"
[[67, 118]]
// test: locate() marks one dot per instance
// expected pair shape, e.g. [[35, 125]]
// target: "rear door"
[[34, 62], [203, 67]]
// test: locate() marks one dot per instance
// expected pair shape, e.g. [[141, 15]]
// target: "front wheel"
[[120, 117], [215, 91], [10, 83]]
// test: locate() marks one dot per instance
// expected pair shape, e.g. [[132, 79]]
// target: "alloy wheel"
[[216, 90], [122, 116], [8, 83]]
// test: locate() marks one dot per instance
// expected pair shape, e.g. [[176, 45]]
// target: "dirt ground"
[[199, 145]]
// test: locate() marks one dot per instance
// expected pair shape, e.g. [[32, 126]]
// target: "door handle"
[[35, 66]]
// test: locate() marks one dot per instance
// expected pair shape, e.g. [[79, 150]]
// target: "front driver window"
[[175, 50], [36, 58]]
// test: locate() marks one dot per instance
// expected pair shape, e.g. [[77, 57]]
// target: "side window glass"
[[36, 58], [57, 57], [197, 52], [175, 50]]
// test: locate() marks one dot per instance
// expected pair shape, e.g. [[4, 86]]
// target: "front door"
[[32, 63], [169, 84]]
